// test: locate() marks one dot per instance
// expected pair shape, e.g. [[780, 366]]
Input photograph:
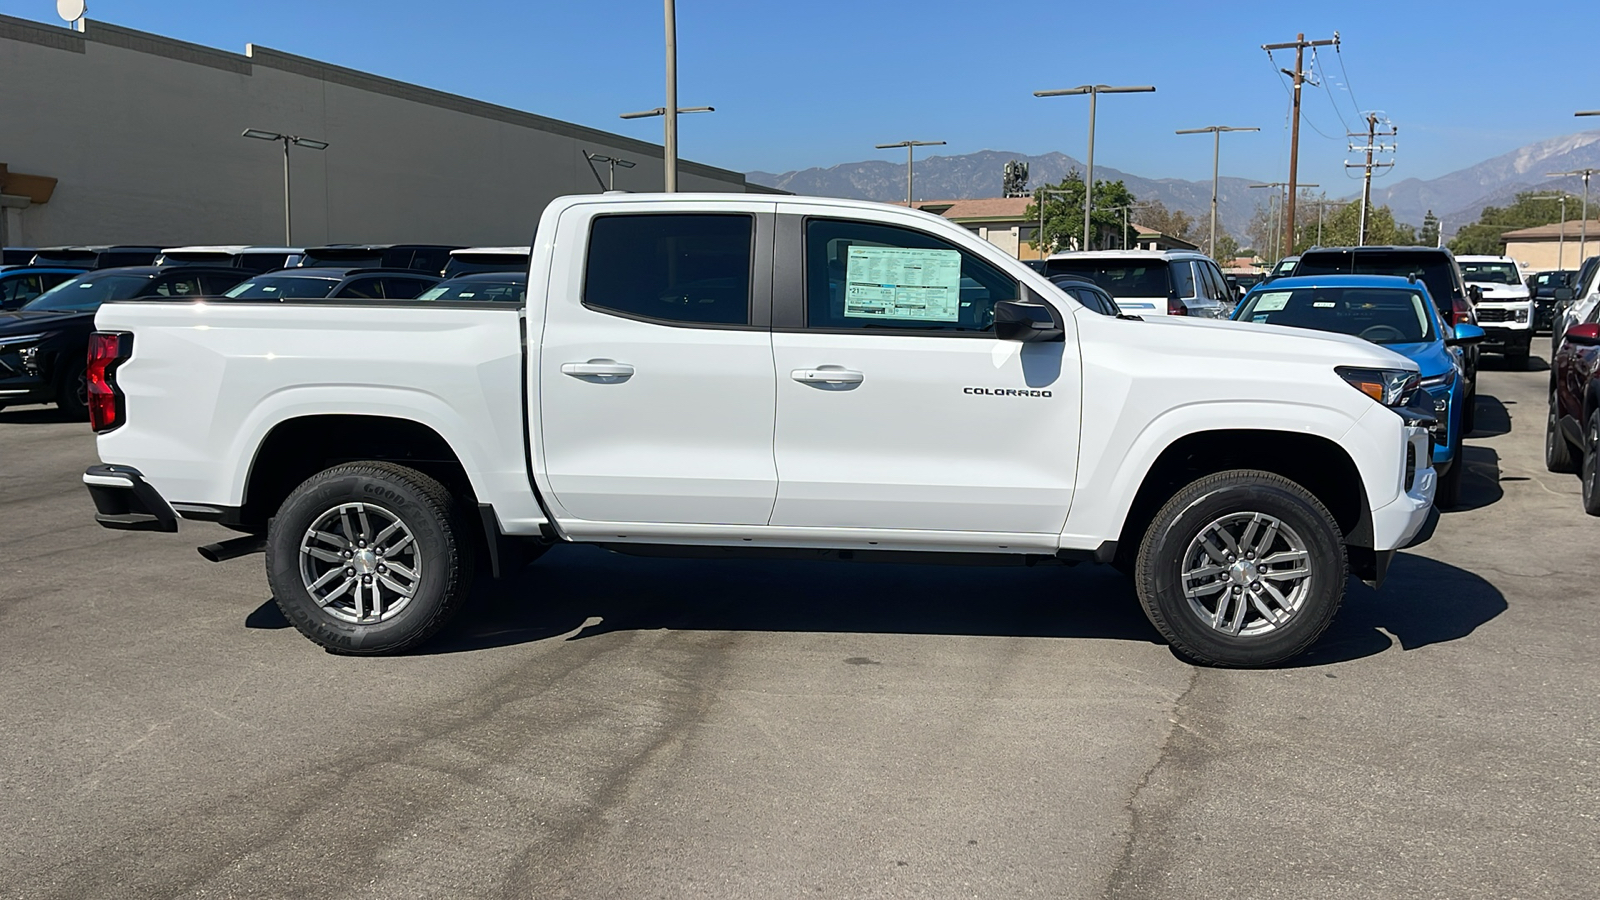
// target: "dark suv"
[[1435, 267], [44, 346]]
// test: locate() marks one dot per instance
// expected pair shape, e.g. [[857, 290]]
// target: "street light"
[[611, 163], [670, 147], [1216, 153], [1588, 112], [909, 145], [286, 139], [1094, 91], [1583, 223]]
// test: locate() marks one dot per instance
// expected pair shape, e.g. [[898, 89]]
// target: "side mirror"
[[1021, 320], [1585, 335], [1475, 294], [1465, 334], [1562, 295]]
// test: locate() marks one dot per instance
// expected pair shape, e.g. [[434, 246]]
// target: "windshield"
[[1490, 272], [1380, 315], [283, 287], [88, 292], [506, 291], [1432, 268], [1121, 279]]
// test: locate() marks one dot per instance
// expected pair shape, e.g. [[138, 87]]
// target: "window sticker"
[[899, 283], [1269, 303]]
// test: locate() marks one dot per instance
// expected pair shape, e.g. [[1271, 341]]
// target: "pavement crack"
[[1123, 881]]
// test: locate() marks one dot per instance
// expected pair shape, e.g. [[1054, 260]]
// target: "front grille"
[[1493, 315]]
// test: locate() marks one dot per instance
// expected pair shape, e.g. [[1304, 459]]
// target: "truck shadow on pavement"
[[37, 415], [584, 592], [1493, 417]]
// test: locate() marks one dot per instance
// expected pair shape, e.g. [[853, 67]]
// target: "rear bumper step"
[[124, 501]]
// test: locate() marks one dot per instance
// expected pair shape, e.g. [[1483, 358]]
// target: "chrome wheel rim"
[[359, 563], [1246, 574]]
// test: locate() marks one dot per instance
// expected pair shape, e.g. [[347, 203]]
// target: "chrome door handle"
[[596, 368], [827, 375]]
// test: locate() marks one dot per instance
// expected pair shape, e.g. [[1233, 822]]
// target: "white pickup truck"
[[1505, 307], [724, 374]]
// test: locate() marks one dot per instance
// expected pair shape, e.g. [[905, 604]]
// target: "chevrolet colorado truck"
[[713, 375]]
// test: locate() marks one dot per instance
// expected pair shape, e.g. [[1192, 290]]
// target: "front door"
[[655, 387], [897, 406]]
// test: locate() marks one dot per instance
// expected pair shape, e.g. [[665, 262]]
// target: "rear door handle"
[[827, 375], [597, 368]]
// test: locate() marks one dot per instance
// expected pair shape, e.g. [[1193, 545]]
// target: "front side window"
[[861, 275], [671, 268]]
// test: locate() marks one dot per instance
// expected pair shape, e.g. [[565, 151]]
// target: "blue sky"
[[821, 82]]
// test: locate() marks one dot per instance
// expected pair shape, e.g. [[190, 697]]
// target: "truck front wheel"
[[368, 558], [1241, 568]]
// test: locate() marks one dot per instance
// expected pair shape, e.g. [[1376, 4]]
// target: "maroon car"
[[1572, 430]]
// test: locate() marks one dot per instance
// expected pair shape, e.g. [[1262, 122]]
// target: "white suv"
[[1152, 282], [1505, 310]]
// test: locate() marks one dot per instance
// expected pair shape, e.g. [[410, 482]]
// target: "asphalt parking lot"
[[605, 726]]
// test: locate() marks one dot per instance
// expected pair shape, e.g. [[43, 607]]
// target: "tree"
[[1430, 230], [1227, 249], [1063, 213], [1528, 210], [1172, 223]]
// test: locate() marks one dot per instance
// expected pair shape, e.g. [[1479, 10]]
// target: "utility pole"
[[1369, 148], [910, 147], [1216, 155], [1299, 44], [1278, 246]]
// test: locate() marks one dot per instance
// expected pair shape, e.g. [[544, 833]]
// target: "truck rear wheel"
[[368, 558], [1242, 568]]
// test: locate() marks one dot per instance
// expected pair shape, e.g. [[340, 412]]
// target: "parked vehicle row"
[[725, 375], [1572, 427], [444, 260]]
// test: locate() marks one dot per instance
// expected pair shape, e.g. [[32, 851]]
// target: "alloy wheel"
[[359, 563], [1246, 574]]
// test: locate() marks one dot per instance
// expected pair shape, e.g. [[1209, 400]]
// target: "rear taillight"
[[107, 350], [1175, 307]]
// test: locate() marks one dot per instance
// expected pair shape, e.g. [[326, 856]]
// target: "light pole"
[[670, 149], [286, 140], [1094, 91], [1216, 154], [909, 145], [1583, 223], [611, 164]]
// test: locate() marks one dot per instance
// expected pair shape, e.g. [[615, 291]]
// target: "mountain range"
[[1457, 198]]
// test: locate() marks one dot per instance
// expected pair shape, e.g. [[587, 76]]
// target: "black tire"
[[72, 390], [1448, 494], [1591, 465], [1517, 358], [1558, 455], [441, 556], [1172, 537]]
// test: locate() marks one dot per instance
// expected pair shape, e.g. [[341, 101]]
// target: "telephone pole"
[[1371, 147], [1299, 44]]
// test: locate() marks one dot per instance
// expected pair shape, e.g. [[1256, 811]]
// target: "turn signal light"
[[107, 350]]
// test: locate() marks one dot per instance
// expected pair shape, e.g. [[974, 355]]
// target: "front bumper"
[[1399, 522], [124, 501]]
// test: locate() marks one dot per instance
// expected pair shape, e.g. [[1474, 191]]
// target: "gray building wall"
[[143, 133]]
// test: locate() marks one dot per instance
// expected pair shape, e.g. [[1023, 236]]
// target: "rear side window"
[[187, 286], [1183, 278], [690, 269]]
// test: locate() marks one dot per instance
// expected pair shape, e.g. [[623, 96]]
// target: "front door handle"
[[827, 375], [597, 368]]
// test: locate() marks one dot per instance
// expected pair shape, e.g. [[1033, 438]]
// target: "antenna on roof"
[[72, 12]]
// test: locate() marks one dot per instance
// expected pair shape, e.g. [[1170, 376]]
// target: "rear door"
[[655, 376], [898, 408]]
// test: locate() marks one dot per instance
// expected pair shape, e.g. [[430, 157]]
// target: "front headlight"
[[1391, 387], [1439, 381]]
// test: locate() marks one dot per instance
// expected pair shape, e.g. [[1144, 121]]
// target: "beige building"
[[1546, 247], [118, 136]]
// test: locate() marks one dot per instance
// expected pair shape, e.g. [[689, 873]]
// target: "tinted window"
[[1183, 279], [89, 291], [500, 291], [1490, 272], [213, 285], [368, 288], [110, 259], [1122, 279], [429, 259], [261, 262], [673, 268], [186, 286], [339, 257], [1380, 315], [467, 264], [401, 288], [860, 275], [1433, 269], [282, 287]]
